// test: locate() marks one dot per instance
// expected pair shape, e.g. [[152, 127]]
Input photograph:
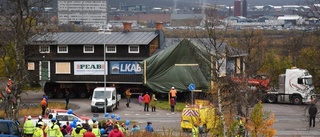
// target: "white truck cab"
[[102, 95], [295, 86]]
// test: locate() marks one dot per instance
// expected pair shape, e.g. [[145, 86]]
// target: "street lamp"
[[106, 32]]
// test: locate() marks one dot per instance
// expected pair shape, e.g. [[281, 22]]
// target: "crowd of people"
[[107, 128]]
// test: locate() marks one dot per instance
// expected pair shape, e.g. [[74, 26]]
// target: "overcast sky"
[[258, 2]]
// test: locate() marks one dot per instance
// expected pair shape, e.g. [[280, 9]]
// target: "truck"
[[295, 86], [61, 115], [10, 128], [201, 113], [105, 97]]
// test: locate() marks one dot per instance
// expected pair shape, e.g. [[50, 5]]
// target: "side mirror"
[[113, 97]]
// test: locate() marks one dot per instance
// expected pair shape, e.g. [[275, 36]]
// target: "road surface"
[[290, 120]]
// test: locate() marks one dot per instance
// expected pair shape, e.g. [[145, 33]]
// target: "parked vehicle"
[[108, 94], [295, 86], [9, 128], [202, 113], [61, 115]]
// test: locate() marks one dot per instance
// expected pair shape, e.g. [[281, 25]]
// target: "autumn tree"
[[260, 123], [18, 22]]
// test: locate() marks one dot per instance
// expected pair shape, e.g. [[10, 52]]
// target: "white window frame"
[[59, 46], [84, 49], [111, 51], [44, 51], [130, 51]]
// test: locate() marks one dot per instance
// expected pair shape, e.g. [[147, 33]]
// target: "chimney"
[[159, 25], [127, 26]]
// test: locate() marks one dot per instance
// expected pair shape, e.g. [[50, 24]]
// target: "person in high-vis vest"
[[195, 131], [53, 130], [94, 121], [78, 131], [96, 130], [38, 131], [28, 127]]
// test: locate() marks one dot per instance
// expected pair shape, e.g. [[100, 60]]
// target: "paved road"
[[290, 120]]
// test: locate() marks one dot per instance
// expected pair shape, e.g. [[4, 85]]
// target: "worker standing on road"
[[28, 127], [146, 99], [89, 133], [67, 99], [173, 94], [38, 132], [43, 106], [172, 104], [312, 115], [128, 96], [135, 128], [53, 130], [195, 130], [140, 99], [47, 99], [153, 103]]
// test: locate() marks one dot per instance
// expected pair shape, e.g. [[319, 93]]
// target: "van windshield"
[[101, 94]]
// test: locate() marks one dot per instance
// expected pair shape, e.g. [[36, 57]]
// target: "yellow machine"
[[202, 113]]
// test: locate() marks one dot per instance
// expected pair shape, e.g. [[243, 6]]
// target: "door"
[[44, 70]]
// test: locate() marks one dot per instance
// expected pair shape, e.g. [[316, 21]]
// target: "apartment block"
[[83, 12]]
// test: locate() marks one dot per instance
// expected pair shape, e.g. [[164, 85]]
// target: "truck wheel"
[[83, 95], [60, 95], [117, 104], [72, 95], [271, 99], [50, 95], [296, 100], [110, 109]]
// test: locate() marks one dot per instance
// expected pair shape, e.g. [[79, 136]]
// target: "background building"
[[237, 8], [82, 12]]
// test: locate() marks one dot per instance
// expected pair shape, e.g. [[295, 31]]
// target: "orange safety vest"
[[43, 102]]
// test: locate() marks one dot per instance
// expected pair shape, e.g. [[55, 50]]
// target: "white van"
[[100, 94]]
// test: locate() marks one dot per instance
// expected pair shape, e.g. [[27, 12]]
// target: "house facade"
[[76, 61]]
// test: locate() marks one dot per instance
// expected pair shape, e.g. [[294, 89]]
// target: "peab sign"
[[89, 68], [125, 67]]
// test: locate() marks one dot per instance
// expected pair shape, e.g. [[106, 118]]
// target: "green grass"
[[163, 104]]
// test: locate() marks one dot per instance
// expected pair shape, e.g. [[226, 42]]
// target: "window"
[[63, 68], [88, 49], [44, 49], [134, 49], [62, 49], [30, 65], [111, 49]]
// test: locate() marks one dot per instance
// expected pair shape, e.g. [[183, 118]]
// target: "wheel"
[[60, 95], [82, 94], [117, 104], [72, 95], [50, 95], [110, 109], [271, 99], [296, 100]]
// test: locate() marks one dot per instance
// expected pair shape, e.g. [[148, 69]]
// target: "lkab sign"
[[125, 67]]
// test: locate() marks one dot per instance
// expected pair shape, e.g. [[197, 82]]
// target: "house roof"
[[83, 38]]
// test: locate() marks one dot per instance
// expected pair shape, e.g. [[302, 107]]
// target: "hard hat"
[[40, 117], [40, 123], [29, 117], [172, 87], [94, 119], [53, 119]]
